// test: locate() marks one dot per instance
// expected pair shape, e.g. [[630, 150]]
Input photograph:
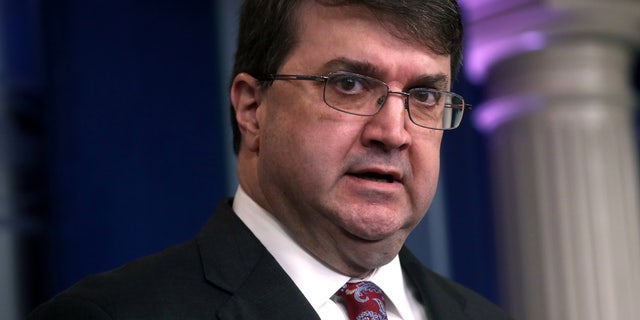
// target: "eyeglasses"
[[364, 96]]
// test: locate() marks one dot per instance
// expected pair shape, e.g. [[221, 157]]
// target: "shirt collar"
[[317, 282], [390, 279]]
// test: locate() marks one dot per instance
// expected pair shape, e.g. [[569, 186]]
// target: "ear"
[[246, 96]]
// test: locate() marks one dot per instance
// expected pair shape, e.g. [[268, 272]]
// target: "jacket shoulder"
[[476, 306], [165, 285], [445, 298]]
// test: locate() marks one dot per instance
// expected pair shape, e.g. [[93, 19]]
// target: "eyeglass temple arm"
[[289, 77], [465, 106]]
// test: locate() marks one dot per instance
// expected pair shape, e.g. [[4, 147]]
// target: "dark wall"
[[466, 183], [131, 133]]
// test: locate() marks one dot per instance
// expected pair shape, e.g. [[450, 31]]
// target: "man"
[[339, 110]]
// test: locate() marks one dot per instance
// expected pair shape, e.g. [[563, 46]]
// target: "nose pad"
[[387, 128], [405, 99], [383, 99]]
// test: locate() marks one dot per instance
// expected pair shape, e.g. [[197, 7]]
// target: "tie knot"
[[364, 300]]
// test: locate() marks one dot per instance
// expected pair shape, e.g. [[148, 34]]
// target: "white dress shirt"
[[317, 282]]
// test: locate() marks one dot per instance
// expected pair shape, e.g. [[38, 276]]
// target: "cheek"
[[329, 135], [426, 166], [302, 143]]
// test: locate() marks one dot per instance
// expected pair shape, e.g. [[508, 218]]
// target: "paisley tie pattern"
[[364, 301]]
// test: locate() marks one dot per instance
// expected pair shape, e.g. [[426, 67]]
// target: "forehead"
[[329, 33]]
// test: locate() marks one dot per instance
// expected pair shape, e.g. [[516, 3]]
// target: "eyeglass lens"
[[362, 95]]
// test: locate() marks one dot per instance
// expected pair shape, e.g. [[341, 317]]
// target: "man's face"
[[348, 188]]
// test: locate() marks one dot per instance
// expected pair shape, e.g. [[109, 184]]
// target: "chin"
[[383, 226], [382, 250], [375, 260]]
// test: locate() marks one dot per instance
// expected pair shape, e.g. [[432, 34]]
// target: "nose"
[[387, 129]]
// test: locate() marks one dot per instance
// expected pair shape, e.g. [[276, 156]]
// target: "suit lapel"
[[441, 302], [236, 262]]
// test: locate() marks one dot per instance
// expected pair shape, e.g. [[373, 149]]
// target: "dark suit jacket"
[[226, 273]]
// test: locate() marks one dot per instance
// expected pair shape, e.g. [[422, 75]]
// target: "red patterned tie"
[[364, 301]]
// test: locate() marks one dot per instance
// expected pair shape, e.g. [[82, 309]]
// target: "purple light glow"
[[482, 57], [504, 33], [479, 9], [494, 113]]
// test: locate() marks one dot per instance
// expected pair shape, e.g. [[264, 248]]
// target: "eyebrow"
[[438, 81], [355, 66]]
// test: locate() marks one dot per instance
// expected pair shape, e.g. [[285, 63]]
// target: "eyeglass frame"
[[407, 95]]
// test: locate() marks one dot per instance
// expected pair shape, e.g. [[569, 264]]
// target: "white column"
[[560, 124]]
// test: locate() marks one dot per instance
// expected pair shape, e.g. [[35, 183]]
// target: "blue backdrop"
[[134, 127]]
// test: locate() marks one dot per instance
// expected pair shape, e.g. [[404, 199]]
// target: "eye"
[[348, 83], [425, 97]]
